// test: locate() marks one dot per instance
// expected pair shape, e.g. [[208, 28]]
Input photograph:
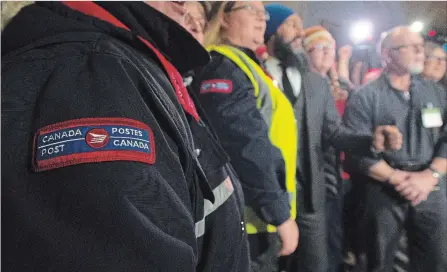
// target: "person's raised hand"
[[345, 52]]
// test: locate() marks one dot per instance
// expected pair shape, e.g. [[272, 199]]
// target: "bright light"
[[417, 26], [361, 30]]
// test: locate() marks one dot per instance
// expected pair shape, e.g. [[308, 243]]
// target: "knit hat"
[[278, 14], [315, 34]]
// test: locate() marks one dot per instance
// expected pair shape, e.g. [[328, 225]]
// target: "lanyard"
[[92, 9]]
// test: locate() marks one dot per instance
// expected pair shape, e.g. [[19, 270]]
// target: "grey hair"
[[385, 41], [385, 38], [9, 9]]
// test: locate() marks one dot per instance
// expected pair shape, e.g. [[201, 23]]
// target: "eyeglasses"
[[440, 59], [414, 46], [254, 11]]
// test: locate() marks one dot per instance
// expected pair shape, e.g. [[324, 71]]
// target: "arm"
[[344, 55], [113, 210], [381, 171], [358, 115], [420, 184], [245, 137], [342, 137], [343, 69], [440, 157]]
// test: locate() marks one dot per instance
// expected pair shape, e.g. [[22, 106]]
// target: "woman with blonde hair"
[[217, 252], [255, 124]]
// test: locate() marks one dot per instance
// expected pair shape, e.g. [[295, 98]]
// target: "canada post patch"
[[216, 86], [92, 140]]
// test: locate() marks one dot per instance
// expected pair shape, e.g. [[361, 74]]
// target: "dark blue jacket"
[[129, 201]]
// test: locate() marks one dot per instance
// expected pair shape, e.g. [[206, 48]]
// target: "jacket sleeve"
[[358, 116], [118, 214], [245, 137], [336, 133], [441, 145]]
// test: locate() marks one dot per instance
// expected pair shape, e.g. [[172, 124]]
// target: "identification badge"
[[431, 117], [92, 140]]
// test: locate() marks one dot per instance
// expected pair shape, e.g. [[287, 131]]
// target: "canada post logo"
[[216, 86], [97, 138], [93, 140]]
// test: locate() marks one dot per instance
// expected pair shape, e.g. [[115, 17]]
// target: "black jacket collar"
[[249, 53], [168, 36]]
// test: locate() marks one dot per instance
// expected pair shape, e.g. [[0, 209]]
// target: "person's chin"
[[296, 46], [256, 44], [416, 69]]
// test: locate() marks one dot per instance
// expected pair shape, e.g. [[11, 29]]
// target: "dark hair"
[[206, 8], [214, 7], [230, 5]]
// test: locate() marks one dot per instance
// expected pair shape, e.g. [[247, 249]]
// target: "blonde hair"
[[213, 33], [9, 9]]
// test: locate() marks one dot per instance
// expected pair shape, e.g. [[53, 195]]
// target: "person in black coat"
[[100, 169]]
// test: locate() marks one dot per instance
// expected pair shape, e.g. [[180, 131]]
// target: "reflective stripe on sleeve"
[[221, 194]]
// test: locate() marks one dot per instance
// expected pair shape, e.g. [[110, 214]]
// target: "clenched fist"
[[387, 138], [289, 234]]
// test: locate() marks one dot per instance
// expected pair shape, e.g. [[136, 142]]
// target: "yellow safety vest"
[[278, 114]]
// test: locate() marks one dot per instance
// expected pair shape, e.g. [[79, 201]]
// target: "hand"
[[289, 234], [387, 138], [399, 177], [333, 74], [417, 188], [345, 52]]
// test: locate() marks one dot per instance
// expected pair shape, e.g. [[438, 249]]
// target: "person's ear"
[[225, 21], [386, 55]]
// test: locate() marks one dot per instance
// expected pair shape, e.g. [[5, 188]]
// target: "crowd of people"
[[216, 136]]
